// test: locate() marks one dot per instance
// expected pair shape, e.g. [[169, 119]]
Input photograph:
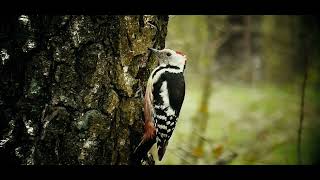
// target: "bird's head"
[[170, 57]]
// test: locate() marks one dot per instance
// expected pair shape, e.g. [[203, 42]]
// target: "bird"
[[163, 100]]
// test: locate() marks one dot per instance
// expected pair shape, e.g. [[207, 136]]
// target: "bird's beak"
[[153, 50]]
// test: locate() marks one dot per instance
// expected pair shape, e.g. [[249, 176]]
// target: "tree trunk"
[[71, 89], [216, 38], [247, 47]]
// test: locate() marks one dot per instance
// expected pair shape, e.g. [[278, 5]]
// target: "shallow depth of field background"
[[243, 90]]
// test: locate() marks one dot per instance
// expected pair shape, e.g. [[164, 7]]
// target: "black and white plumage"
[[163, 101]]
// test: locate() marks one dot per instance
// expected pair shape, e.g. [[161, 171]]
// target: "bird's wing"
[[148, 112]]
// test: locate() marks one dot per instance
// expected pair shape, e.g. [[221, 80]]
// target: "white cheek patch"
[[178, 60]]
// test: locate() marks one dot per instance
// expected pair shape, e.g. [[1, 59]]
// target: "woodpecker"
[[163, 100]]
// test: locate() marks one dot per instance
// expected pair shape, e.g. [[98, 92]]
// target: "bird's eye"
[[168, 54]]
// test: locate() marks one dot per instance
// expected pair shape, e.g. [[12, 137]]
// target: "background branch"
[[304, 84]]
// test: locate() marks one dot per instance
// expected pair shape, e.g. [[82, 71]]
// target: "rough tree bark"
[[71, 87]]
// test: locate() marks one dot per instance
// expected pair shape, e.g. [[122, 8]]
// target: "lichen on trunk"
[[79, 88]]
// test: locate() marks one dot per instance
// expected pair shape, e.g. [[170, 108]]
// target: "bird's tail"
[[142, 149], [162, 149], [148, 139]]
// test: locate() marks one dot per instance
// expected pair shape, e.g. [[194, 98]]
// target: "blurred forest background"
[[69, 91], [245, 79]]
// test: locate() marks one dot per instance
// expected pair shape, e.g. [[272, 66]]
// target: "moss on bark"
[[79, 89]]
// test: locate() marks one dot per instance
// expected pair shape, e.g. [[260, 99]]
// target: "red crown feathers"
[[178, 52]]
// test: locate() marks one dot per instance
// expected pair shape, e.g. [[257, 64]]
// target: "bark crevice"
[[72, 98]]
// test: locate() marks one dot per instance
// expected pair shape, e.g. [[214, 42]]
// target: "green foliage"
[[258, 124], [188, 34]]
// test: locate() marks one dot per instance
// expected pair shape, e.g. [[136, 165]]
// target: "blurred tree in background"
[[243, 98], [71, 85]]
